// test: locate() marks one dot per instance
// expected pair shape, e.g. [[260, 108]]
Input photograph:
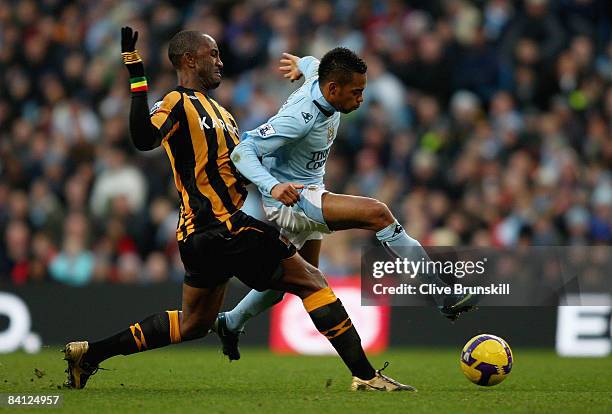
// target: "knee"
[[195, 328], [380, 215], [313, 283], [318, 279]]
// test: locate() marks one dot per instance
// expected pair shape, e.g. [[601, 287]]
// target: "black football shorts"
[[252, 252]]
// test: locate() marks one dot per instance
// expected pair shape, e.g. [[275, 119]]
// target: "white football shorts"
[[304, 221]]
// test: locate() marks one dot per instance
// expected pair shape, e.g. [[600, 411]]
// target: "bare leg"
[[311, 251], [200, 309], [299, 277], [342, 212], [345, 212]]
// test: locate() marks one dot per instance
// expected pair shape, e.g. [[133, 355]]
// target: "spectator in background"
[[538, 25], [14, 262], [116, 178], [430, 72], [74, 264], [387, 90], [155, 269], [75, 122], [44, 207], [43, 253], [474, 66]]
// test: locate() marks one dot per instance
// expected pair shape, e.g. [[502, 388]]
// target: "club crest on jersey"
[[266, 130], [330, 134], [307, 117], [155, 107]]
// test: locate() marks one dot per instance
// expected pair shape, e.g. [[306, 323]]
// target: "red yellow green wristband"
[[139, 84]]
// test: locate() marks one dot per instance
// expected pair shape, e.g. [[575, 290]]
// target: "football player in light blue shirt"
[[285, 158]]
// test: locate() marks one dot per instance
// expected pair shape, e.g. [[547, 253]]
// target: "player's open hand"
[[289, 65], [128, 39], [287, 193]]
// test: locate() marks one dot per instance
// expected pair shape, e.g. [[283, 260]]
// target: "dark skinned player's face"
[[208, 63], [347, 98]]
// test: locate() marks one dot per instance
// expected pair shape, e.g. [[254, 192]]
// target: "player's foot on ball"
[[380, 382], [229, 339], [456, 305], [78, 369]]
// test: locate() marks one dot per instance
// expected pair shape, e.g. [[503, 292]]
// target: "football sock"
[[157, 330], [330, 319], [251, 305], [399, 244]]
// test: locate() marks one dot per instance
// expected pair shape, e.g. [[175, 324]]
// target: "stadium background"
[[485, 123]]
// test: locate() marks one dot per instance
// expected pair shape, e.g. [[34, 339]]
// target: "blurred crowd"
[[486, 123]]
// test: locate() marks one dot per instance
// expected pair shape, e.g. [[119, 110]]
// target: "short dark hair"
[[339, 64], [183, 42]]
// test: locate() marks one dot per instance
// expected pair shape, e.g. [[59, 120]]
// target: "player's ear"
[[332, 87], [189, 59]]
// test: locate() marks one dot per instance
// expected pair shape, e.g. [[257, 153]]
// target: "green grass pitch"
[[194, 379]]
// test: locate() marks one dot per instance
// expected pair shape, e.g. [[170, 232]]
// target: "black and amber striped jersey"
[[199, 136]]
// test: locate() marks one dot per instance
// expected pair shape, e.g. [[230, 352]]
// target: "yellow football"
[[486, 360]]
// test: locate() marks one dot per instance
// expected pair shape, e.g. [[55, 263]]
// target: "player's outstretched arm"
[[144, 134], [289, 67], [293, 67]]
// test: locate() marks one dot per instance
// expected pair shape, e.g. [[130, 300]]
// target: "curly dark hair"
[[339, 64]]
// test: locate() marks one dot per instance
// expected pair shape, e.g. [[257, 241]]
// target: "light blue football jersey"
[[294, 144]]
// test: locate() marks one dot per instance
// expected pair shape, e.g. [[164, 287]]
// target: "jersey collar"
[[320, 101]]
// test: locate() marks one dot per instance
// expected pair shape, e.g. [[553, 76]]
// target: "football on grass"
[[486, 360]]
